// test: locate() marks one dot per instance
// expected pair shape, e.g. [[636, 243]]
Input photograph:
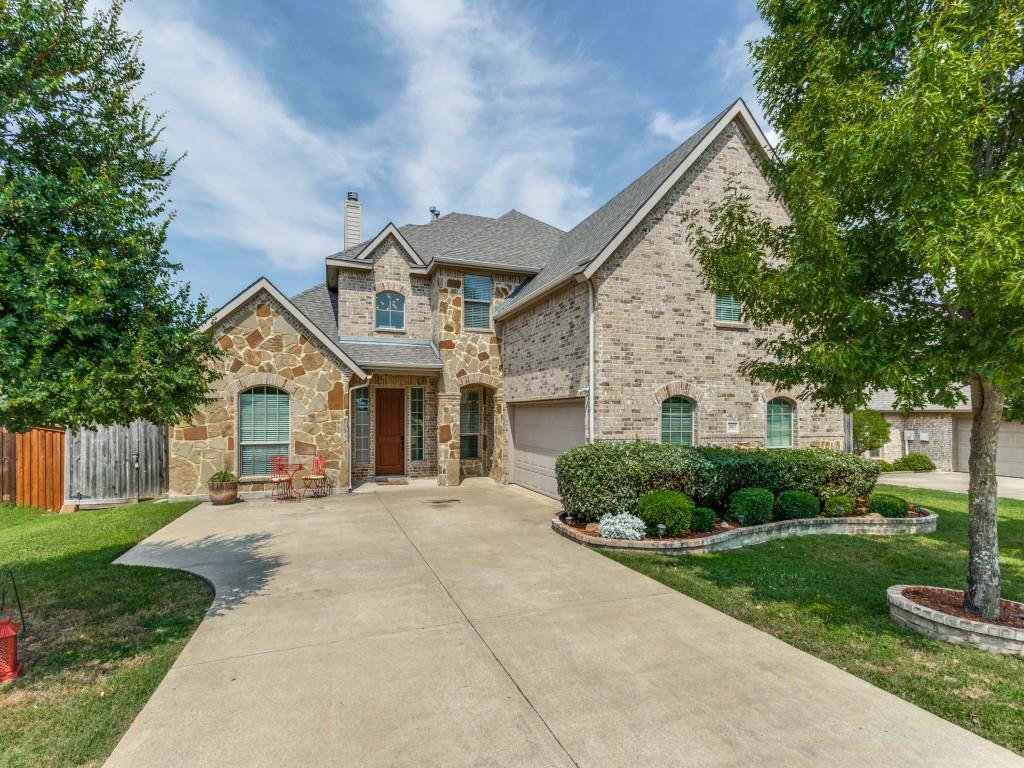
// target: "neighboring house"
[[944, 435], [480, 346]]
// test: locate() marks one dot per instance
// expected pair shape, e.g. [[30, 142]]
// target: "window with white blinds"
[[677, 421], [476, 297], [728, 309], [416, 422], [469, 424], [780, 423], [264, 428], [362, 428]]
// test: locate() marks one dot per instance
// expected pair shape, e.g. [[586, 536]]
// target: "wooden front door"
[[390, 431]]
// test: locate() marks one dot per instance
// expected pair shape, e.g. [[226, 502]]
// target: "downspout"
[[590, 363], [352, 423]]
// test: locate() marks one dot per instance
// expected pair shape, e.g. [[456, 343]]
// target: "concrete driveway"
[[1009, 487], [452, 627]]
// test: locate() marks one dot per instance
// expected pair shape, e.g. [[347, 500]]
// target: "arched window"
[[780, 423], [390, 310], [677, 421], [264, 429]]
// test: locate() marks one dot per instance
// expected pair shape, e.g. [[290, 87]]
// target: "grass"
[[100, 636], [826, 595]]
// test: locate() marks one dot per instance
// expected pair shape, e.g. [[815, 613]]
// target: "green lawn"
[[826, 595], [100, 636]]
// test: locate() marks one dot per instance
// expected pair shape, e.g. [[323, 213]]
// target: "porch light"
[[661, 530]]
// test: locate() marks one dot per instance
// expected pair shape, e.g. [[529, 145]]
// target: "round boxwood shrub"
[[913, 462], [796, 505], [670, 508], [884, 466], [839, 506], [703, 520], [887, 505], [751, 506]]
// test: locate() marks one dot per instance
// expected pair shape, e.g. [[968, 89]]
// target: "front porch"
[[402, 428]]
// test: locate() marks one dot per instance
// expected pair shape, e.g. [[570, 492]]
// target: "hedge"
[[610, 477], [913, 462]]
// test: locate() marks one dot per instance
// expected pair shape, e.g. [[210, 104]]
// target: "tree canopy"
[[901, 164], [94, 327], [870, 430]]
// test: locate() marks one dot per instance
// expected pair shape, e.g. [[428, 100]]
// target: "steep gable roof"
[[591, 241]]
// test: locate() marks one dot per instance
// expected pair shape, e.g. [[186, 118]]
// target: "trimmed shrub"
[[884, 466], [703, 520], [814, 470], [751, 506], [622, 526], [913, 462], [670, 508], [600, 478], [839, 506], [796, 505], [887, 505]]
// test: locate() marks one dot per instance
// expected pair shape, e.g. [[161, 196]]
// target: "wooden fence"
[[116, 464], [32, 467]]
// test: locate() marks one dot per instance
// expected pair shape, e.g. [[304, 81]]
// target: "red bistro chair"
[[317, 482], [281, 477]]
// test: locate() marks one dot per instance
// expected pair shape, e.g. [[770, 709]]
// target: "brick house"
[[486, 346]]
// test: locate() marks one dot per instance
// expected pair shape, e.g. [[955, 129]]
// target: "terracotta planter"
[[223, 493]]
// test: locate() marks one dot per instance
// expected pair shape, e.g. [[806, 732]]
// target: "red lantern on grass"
[[10, 667]]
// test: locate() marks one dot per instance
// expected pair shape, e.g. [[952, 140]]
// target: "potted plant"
[[223, 488]]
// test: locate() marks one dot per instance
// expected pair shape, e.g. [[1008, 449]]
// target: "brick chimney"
[[353, 220]]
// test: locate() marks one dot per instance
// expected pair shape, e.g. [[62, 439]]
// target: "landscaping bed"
[[100, 636]]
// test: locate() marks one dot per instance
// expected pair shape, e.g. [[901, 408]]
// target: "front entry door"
[[390, 428]]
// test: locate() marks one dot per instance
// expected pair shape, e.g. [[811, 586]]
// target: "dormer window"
[[390, 310]]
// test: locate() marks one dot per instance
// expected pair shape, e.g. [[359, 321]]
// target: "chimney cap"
[[435, 213], [353, 196]]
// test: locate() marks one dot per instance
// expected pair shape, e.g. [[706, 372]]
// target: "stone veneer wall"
[[656, 328], [357, 291], [264, 345], [428, 466], [544, 348], [940, 445], [470, 357]]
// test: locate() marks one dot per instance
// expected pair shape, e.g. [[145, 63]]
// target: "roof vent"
[[435, 214]]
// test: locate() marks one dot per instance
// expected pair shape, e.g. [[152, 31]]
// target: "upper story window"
[[476, 295], [780, 423], [728, 310], [390, 308], [264, 428]]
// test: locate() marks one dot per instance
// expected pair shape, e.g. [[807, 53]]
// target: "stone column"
[[448, 438]]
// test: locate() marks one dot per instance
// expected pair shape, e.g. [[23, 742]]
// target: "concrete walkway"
[[1009, 487], [452, 627]]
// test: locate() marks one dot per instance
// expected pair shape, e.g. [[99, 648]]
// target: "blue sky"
[[547, 107]]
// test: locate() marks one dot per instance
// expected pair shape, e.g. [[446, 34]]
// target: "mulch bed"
[[719, 528], [951, 601]]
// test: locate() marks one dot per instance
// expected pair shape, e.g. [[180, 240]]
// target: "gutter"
[[351, 419], [590, 362]]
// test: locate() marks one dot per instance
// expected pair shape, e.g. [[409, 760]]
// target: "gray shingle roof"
[[320, 305], [514, 241], [586, 240], [402, 353], [883, 400]]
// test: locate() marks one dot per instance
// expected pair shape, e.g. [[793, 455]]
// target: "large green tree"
[[93, 326], [901, 163]]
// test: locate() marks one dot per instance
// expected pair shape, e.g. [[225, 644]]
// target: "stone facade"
[[265, 346]]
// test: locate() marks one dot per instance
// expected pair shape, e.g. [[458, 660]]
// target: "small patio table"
[[283, 477]]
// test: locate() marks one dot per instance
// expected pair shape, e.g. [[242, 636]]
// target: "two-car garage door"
[[1009, 454], [540, 432]]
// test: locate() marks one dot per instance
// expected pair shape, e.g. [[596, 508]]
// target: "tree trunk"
[[982, 594]]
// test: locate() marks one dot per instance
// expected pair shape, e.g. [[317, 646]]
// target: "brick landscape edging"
[[952, 629], [756, 534]]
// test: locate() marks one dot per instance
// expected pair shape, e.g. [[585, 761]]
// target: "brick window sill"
[[732, 326]]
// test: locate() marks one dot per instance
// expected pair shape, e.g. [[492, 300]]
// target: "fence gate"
[[39, 468], [7, 467], [116, 464]]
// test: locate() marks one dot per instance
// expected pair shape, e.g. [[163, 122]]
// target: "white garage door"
[[1010, 455], [539, 434]]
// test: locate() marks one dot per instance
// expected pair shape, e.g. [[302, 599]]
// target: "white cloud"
[[663, 124], [483, 122], [731, 61]]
